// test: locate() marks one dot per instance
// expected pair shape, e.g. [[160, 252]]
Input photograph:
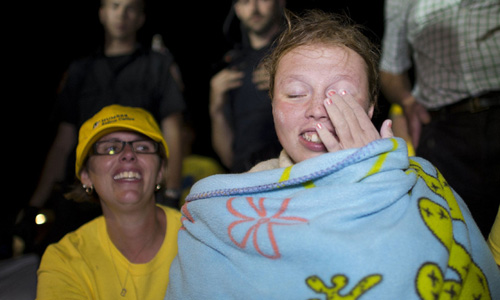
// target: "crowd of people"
[[406, 210]]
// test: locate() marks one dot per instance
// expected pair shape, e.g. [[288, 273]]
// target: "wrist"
[[407, 101], [215, 107]]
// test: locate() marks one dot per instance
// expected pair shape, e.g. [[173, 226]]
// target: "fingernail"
[[331, 93], [343, 92], [319, 126], [328, 101]]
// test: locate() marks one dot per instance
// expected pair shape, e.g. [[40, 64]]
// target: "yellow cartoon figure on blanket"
[[430, 282], [339, 282]]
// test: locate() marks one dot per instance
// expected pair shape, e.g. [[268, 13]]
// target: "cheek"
[[279, 117], [95, 165], [282, 113], [98, 172], [287, 118]]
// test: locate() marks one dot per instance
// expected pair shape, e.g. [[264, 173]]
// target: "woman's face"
[[125, 178], [306, 78]]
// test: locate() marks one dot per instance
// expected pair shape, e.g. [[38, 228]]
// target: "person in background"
[[343, 212], [452, 106], [240, 108], [194, 166], [123, 72], [126, 252]]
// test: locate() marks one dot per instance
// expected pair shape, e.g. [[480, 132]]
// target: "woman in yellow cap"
[[120, 159]]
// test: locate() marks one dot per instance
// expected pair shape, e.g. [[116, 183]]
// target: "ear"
[[141, 21], [102, 15], [161, 170], [85, 178], [236, 11], [371, 109]]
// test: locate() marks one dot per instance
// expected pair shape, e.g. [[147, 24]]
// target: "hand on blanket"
[[352, 125]]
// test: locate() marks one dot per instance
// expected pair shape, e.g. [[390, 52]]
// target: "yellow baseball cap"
[[115, 118]]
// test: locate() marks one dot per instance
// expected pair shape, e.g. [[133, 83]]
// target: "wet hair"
[[318, 27]]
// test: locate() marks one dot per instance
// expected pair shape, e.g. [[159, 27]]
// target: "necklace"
[[123, 291]]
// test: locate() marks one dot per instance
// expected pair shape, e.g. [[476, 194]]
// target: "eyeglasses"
[[115, 146]]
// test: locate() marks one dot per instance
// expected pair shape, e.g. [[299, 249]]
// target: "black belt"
[[471, 105]]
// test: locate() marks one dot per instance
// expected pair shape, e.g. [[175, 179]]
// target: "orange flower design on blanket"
[[259, 224]]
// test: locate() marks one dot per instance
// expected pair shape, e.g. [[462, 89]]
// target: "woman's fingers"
[[386, 129], [328, 138], [353, 127], [351, 121]]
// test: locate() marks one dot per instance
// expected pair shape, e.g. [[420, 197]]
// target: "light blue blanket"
[[365, 223]]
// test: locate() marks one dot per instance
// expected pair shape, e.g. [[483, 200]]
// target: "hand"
[[220, 84], [416, 115], [157, 44], [352, 127], [261, 78]]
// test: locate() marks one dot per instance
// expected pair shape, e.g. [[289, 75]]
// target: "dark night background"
[[54, 33]]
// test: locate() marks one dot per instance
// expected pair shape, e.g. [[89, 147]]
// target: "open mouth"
[[130, 175], [312, 137]]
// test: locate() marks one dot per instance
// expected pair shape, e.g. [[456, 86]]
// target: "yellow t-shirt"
[[494, 238], [80, 265]]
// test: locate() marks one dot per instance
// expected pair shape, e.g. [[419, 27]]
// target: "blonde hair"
[[318, 27]]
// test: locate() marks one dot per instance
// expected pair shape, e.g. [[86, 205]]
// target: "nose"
[[316, 109], [127, 153], [122, 12], [255, 6]]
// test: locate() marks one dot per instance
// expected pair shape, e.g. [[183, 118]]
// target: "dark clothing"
[[465, 147], [142, 79], [249, 112]]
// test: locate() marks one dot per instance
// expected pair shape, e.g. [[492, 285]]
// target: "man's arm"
[[222, 134], [397, 89], [55, 163], [171, 128]]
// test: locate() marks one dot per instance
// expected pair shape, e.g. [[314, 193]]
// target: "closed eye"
[[295, 96], [295, 89]]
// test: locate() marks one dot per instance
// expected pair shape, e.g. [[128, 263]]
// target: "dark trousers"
[[465, 147]]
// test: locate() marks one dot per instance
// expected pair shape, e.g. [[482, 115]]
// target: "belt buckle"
[[475, 105]]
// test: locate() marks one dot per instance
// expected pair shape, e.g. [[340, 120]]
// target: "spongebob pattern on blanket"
[[430, 280], [364, 223], [338, 284]]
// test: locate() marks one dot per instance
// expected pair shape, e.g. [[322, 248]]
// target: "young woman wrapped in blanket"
[[343, 212]]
